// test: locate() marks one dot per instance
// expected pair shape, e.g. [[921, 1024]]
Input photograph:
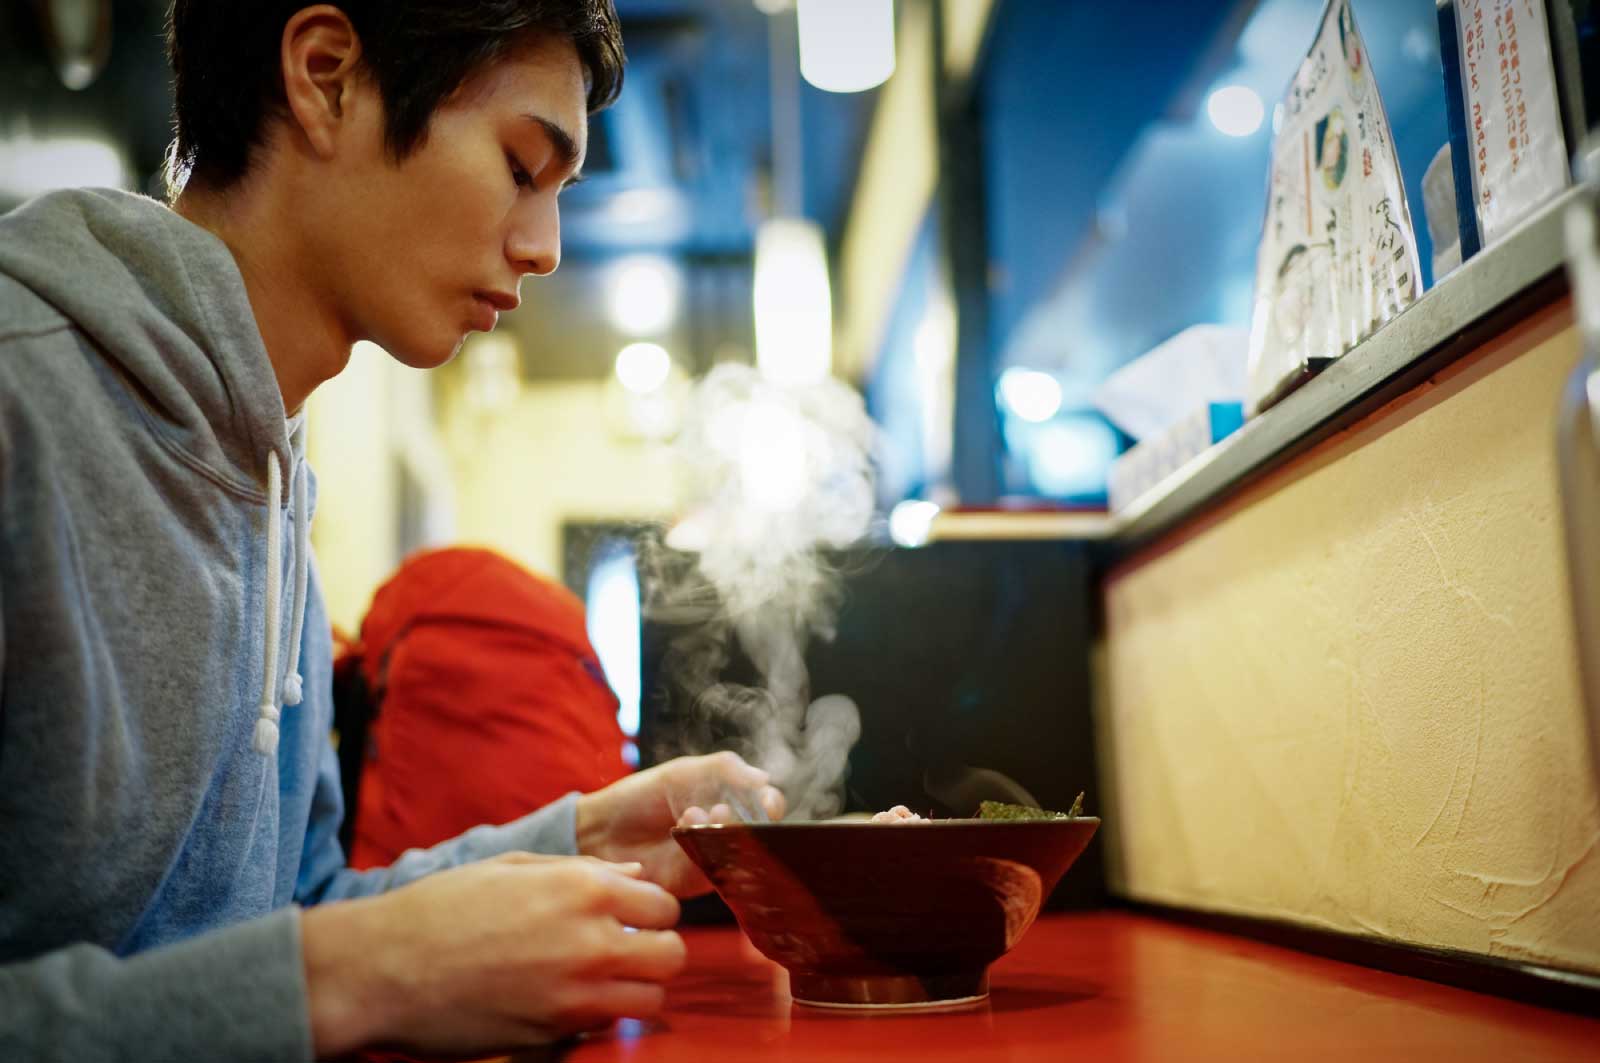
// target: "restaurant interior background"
[[1099, 198], [1042, 192]]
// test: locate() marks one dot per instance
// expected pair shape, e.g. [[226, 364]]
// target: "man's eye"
[[519, 176]]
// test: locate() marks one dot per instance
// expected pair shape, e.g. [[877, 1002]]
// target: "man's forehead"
[[545, 75], [545, 82]]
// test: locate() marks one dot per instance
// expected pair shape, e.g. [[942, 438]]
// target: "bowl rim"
[[834, 824]]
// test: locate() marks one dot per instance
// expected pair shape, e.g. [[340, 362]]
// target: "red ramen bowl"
[[873, 915]]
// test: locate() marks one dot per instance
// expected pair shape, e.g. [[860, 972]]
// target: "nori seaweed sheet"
[[1001, 810]]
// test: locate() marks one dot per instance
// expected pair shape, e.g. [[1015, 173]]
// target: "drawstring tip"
[[291, 689], [266, 737]]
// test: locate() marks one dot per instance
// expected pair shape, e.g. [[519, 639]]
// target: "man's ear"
[[320, 60]]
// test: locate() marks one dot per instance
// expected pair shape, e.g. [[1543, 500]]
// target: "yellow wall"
[[899, 172], [1350, 699], [550, 457], [348, 433], [966, 22], [506, 478]]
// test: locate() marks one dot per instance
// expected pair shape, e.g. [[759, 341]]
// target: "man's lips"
[[484, 315], [487, 306], [499, 300]]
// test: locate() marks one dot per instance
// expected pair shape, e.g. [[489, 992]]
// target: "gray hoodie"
[[168, 790]]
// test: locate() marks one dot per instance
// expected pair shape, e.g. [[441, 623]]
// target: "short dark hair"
[[227, 80]]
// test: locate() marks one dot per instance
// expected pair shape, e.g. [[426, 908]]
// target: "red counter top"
[[1102, 986]]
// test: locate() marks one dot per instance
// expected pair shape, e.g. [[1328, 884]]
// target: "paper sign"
[[1338, 256], [1519, 157]]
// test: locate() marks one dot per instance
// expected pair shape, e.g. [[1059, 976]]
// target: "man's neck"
[[305, 339]]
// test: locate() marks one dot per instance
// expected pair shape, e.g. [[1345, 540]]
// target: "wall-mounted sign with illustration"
[[1338, 257]]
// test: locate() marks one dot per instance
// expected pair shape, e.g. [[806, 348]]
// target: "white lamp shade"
[[846, 45]]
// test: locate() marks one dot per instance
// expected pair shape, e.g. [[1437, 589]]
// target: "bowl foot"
[[889, 992]]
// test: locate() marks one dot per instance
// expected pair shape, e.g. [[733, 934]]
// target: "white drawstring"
[[302, 566], [268, 713], [266, 741]]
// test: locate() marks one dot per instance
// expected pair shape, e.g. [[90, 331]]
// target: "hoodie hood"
[[163, 301], [168, 310]]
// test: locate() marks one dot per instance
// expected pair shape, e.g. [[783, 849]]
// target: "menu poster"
[[1519, 157], [1338, 256]]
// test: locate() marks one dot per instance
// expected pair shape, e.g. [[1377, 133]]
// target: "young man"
[[170, 881]]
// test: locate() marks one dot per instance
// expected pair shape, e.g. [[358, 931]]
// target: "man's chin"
[[428, 356]]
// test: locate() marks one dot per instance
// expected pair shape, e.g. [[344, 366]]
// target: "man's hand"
[[630, 819], [494, 956]]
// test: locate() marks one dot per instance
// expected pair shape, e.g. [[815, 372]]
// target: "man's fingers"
[[743, 774], [631, 868], [770, 797], [773, 801], [645, 905], [603, 1002], [649, 955]]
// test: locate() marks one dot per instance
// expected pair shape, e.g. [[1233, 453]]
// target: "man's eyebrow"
[[565, 147]]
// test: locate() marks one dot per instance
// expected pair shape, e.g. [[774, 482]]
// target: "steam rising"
[[777, 475]]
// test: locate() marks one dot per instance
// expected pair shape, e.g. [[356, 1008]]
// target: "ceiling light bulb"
[[1235, 110], [911, 522], [773, 464], [644, 295], [1030, 394], [643, 367], [793, 302]]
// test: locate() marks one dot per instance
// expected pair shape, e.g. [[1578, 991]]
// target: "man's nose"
[[535, 242]]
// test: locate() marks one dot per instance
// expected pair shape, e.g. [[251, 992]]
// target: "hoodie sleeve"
[[237, 993], [324, 876]]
